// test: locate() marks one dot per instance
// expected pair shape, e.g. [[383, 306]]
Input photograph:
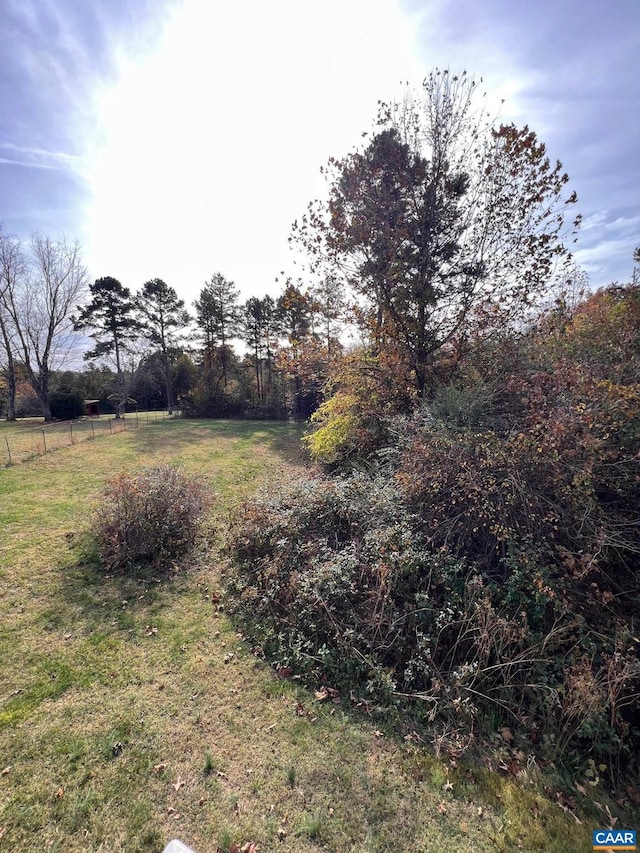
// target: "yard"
[[132, 711]]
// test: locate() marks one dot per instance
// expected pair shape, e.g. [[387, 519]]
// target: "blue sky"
[[177, 138]]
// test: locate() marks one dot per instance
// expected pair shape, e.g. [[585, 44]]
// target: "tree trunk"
[[41, 387], [10, 373]]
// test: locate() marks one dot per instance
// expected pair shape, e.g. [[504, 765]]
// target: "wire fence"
[[23, 442]]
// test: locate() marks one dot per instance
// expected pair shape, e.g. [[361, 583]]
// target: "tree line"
[[442, 229], [148, 350]]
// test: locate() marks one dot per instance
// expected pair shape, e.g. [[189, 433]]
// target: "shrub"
[[363, 395], [152, 517], [66, 404], [338, 578]]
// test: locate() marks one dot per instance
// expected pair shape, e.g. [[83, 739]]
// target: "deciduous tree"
[[12, 263], [49, 280], [441, 212]]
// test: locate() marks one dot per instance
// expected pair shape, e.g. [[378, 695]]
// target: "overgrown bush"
[[153, 517], [486, 567], [339, 579]]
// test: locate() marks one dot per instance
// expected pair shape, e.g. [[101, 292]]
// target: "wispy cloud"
[[41, 158], [10, 162]]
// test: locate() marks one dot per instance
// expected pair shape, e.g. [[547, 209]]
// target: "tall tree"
[[39, 303], [261, 326], [328, 303], [110, 320], [12, 270], [218, 316], [163, 316], [440, 214], [294, 316], [254, 337]]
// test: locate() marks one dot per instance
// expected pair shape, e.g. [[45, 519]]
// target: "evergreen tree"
[[110, 319], [218, 316], [163, 315]]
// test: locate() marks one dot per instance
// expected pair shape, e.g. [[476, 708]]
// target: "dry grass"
[[132, 712]]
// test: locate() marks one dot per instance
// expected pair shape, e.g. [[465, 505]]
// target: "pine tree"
[[111, 321], [163, 315]]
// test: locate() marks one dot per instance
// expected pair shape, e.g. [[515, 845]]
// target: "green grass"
[[132, 711]]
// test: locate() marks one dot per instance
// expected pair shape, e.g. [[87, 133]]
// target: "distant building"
[[92, 408]]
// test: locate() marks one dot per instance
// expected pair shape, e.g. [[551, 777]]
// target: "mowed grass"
[[132, 711]]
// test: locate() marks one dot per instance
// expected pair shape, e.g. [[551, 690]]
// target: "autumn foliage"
[[486, 562]]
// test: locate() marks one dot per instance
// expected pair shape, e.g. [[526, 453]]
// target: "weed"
[[209, 765], [311, 826]]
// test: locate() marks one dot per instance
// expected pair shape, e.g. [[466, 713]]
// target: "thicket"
[[66, 404], [151, 518], [473, 559]]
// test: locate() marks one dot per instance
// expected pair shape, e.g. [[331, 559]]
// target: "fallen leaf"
[[60, 793], [299, 709], [378, 733], [448, 786], [580, 788], [249, 847], [159, 768], [6, 770], [3, 829], [282, 833], [284, 671], [506, 733], [442, 808], [178, 783], [234, 848], [321, 695], [331, 812]]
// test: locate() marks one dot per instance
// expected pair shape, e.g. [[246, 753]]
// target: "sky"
[[180, 138]]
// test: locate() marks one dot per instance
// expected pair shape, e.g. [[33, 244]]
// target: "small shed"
[[92, 408]]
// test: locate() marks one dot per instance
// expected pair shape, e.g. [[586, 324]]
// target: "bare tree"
[[39, 301], [12, 269]]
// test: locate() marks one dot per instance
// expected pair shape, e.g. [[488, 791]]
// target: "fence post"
[[93, 432], [71, 430], [110, 427], [44, 441], [8, 450]]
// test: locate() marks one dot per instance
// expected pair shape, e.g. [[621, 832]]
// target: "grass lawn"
[[132, 711]]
